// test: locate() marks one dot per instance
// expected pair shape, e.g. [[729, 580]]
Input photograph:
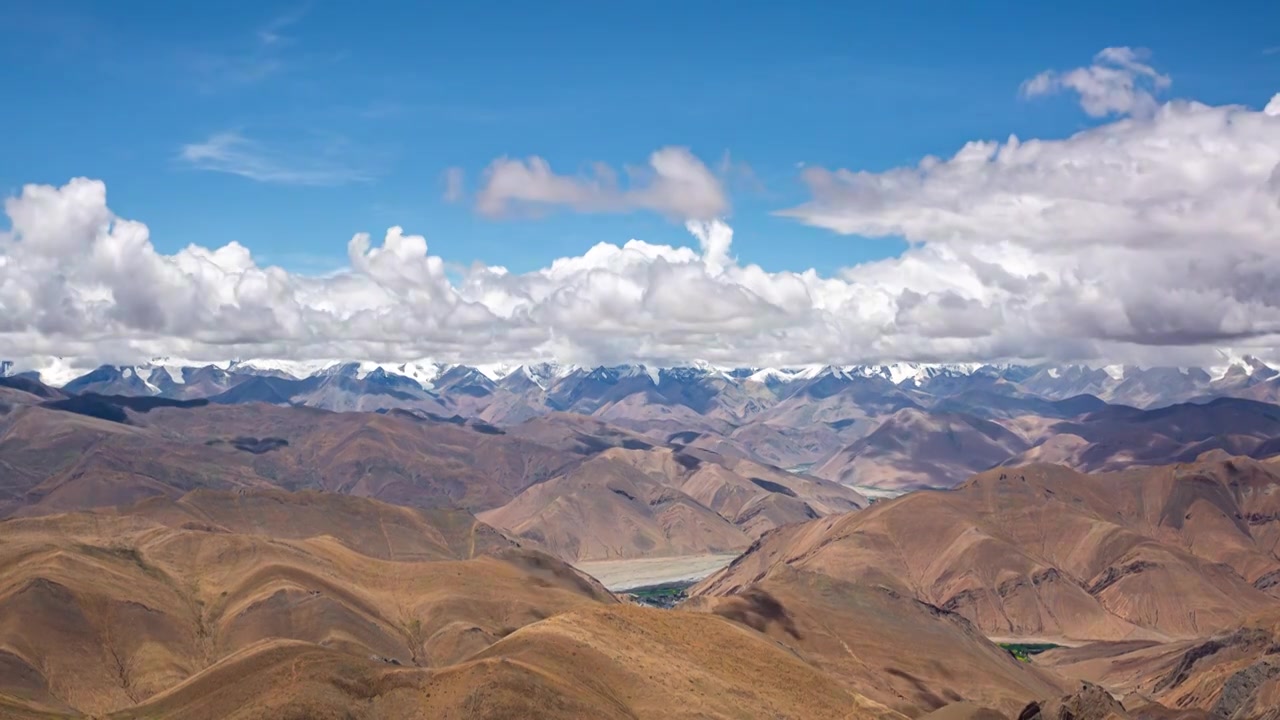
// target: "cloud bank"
[[1150, 238]]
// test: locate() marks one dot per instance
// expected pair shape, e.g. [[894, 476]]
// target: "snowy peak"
[[897, 373], [545, 373], [688, 374], [1246, 369], [465, 380], [112, 380], [423, 372], [289, 369], [538, 381]]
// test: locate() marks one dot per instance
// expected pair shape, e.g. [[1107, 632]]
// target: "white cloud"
[[454, 184], [235, 154], [676, 184], [1117, 83], [1145, 239], [1153, 231], [76, 281]]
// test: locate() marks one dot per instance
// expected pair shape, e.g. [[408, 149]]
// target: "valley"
[[420, 558]]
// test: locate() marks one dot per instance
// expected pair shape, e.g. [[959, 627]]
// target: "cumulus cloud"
[[1146, 231], [676, 183], [1147, 239], [1117, 83]]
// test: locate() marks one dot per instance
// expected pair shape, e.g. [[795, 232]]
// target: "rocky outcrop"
[[1240, 690], [1090, 702], [1244, 637]]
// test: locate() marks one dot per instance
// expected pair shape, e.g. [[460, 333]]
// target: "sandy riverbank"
[[627, 574]]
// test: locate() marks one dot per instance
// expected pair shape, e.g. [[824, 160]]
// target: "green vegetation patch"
[[1024, 651], [665, 595]]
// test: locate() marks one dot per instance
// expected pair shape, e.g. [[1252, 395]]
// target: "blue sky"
[[358, 112]]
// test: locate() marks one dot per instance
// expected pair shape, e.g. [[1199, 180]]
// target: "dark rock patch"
[[1240, 689], [773, 487], [1113, 574], [1240, 638]]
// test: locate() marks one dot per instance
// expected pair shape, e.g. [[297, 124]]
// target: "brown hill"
[[1044, 552], [759, 497], [60, 460], [1117, 437], [20, 390], [598, 662], [646, 502], [314, 605], [396, 456], [101, 611], [607, 508], [1233, 674], [915, 448], [941, 446], [117, 451], [815, 418], [579, 434], [751, 494], [906, 654]]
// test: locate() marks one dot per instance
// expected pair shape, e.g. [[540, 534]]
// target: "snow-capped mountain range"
[[1144, 387], [836, 420]]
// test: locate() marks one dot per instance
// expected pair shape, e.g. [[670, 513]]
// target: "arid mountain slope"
[[906, 654], [1042, 551], [19, 390], [859, 426], [315, 605], [608, 508], [657, 501], [101, 611], [1117, 437], [913, 448], [106, 453], [609, 662], [758, 497], [96, 451], [1233, 674], [394, 456]]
